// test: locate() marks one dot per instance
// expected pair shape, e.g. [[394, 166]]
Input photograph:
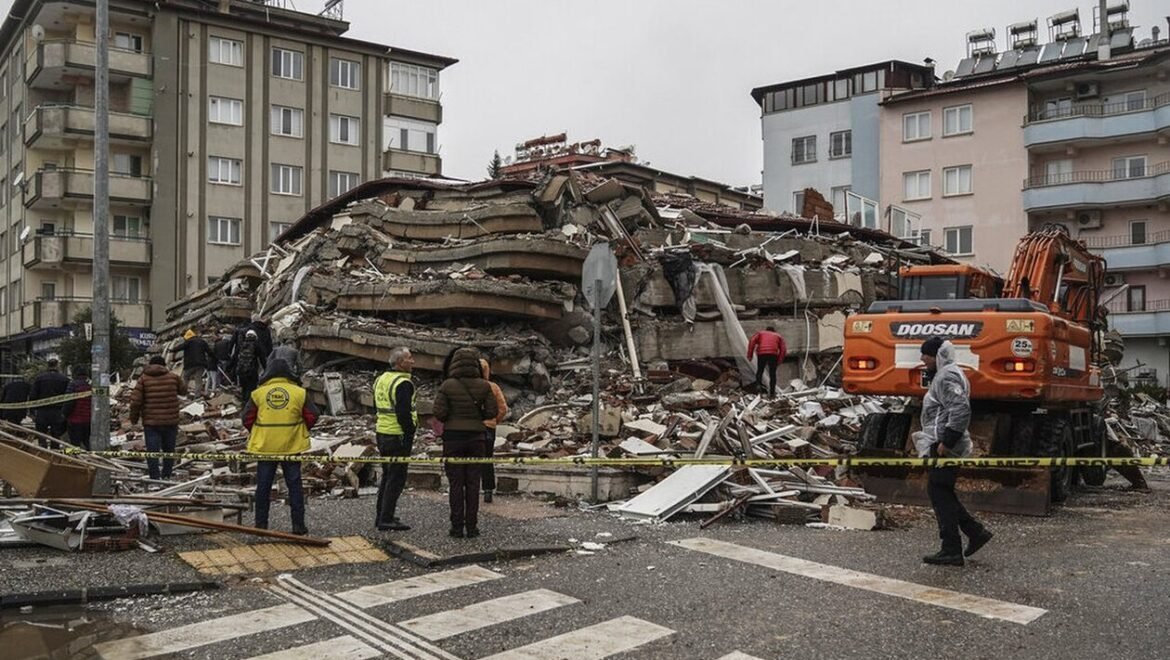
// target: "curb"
[[94, 594]]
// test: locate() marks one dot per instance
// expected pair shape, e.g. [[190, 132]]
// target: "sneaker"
[[456, 531], [487, 496], [942, 559], [472, 532], [976, 542]]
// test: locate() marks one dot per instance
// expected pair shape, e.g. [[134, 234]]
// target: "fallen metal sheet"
[[675, 492]]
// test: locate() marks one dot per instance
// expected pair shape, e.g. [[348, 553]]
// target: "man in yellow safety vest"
[[394, 394]]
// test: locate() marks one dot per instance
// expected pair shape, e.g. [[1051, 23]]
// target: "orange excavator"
[[1028, 344]]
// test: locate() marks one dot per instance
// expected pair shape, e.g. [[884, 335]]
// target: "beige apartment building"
[[228, 120]]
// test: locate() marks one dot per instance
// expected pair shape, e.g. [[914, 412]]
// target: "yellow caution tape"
[[585, 461], [72, 396]]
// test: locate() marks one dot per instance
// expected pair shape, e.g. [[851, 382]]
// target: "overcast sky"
[[670, 76]]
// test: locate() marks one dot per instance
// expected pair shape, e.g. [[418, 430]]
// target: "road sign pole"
[[596, 382]]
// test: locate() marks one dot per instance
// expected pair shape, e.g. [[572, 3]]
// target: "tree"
[[496, 166], [76, 349]]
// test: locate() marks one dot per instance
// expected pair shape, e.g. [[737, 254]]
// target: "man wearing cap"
[[197, 358], [397, 420], [946, 413]]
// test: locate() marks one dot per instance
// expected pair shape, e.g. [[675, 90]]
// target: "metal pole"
[[596, 383], [99, 439]]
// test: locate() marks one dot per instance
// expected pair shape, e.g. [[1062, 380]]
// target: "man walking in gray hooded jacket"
[[946, 413]]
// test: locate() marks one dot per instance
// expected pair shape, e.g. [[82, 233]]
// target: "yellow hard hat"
[[189, 334]]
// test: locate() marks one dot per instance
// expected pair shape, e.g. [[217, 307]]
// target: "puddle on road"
[[57, 632]]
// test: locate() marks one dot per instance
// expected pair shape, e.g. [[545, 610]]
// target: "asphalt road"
[[1092, 577]]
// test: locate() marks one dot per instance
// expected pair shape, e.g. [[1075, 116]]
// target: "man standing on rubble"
[[248, 363], [222, 351], [278, 416], [197, 359], [771, 350], [394, 397], [48, 384], [946, 413], [155, 400]]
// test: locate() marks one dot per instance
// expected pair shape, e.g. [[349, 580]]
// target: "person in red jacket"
[[77, 411], [771, 350]]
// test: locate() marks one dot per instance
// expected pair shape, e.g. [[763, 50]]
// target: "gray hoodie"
[[948, 403]]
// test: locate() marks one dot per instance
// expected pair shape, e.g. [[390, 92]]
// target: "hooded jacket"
[[946, 409], [156, 397], [465, 399], [197, 354], [501, 400]]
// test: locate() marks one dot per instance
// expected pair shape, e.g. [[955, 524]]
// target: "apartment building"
[[823, 132], [228, 120]]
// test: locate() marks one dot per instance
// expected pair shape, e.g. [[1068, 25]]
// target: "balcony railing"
[[1098, 109], [1122, 307], [1096, 176], [1126, 240]]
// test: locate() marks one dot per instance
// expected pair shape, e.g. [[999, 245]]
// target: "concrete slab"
[[660, 340]]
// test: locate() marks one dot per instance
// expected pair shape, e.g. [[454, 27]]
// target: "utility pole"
[[99, 439]]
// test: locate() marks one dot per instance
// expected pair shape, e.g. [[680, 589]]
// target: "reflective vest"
[[279, 427], [385, 399]]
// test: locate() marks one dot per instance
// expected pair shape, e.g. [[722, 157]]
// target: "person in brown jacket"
[[489, 436], [463, 402], [155, 400]]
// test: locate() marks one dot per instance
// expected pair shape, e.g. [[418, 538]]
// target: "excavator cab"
[[948, 282]]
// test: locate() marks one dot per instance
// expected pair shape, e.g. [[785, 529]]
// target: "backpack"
[[248, 358]]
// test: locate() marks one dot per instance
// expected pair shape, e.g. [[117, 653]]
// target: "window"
[[840, 89], [1137, 232], [412, 80], [924, 237], [345, 73], [286, 179], [343, 129], [276, 229], [798, 202], [3, 299], [124, 288], [1134, 100], [841, 144], [838, 199], [958, 240], [1136, 299], [128, 41], [957, 180], [224, 170], [288, 121], [408, 135], [916, 185], [3, 84], [804, 149], [916, 126], [342, 182], [225, 111], [225, 51], [48, 290], [127, 226], [957, 120], [3, 138], [289, 64], [1061, 107], [3, 198], [1058, 171], [223, 231], [1129, 167], [903, 223], [16, 295], [126, 164]]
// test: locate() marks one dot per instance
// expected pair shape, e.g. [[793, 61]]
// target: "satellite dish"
[[949, 75], [38, 32], [25, 232]]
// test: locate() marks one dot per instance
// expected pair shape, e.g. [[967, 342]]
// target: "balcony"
[[1098, 121], [60, 126], [57, 188], [412, 107], [55, 251], [1152, 321], [1123, 253], [56, 312], [1096, 188], [412, 161], [56, 62]]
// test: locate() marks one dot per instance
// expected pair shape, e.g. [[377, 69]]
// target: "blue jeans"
[[265, 475], [160, 438]]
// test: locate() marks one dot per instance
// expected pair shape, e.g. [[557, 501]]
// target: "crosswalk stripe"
[[345, 647], [738, 655], [984, 607], [324, 613], [487, 613], [390, 592], [591, 643], [204, 632]]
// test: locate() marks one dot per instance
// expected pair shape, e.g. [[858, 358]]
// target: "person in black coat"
[[50, 383], [197, 359], [15, 391]]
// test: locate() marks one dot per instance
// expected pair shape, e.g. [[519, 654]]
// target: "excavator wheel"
[[1095, 475], [1056, 441], [873, 431]]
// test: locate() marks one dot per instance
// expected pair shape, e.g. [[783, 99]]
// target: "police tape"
[[586, 461], [39, 403]]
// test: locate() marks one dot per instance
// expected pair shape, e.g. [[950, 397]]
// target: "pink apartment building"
[[1074, 136]]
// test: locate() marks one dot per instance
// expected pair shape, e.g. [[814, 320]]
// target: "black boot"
[[942, 558], [456, 531], [976, 542]]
